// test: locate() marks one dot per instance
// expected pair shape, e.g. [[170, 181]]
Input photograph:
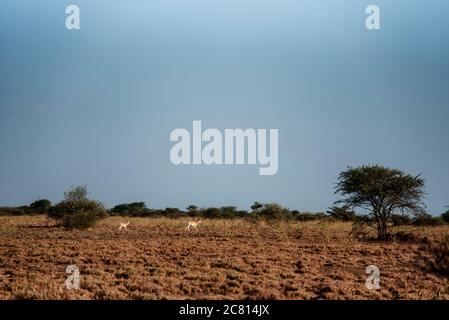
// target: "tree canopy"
[[381, 191]]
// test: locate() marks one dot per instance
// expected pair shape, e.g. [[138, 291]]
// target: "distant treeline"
[[258, 210], [386, 196]]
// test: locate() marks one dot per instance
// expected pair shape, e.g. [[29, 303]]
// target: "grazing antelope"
[[193, 224], [124, 226]]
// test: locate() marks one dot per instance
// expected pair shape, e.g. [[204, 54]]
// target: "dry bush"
[[438, 261], [360, 230]]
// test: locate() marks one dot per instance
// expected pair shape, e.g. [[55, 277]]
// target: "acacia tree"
[[381, 192]]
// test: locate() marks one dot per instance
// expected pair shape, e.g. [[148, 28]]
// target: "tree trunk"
[[382, 228], [382, 232]]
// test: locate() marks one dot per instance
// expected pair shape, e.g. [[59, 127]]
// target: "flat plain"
[[226, 259]]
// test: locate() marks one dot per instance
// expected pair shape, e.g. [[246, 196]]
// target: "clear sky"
[[96, 106]]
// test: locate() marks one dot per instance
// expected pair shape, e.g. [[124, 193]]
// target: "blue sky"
[[96, 106]]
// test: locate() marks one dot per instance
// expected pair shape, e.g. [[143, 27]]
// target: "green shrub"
[[310, 216], [271, 211], [174, 213], [225, 212], [192, 210], [135, 209], [41, 206], [76, 211], [82, 215], [437, 221], [445, 216], [211, 213], [230, 212], [427, 220], [400, 220], [256, 206], [242, 213], [341, 213], [13, 211]]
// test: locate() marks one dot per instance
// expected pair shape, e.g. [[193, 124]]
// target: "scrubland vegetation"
[[226, 259], [268, 252]]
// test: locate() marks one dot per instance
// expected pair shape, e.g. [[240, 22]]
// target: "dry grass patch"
[[233, 259]]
